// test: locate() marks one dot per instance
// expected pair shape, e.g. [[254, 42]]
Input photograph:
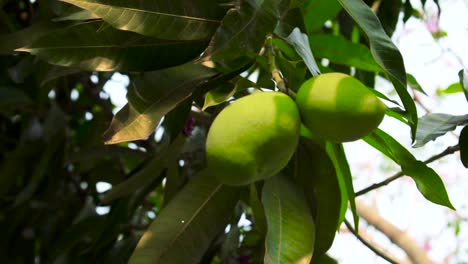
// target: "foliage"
[[186, 60]]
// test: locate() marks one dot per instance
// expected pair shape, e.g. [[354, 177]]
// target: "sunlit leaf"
[[166, 19], [96, 46], [186, 226], [317, 12], [427, 180], [432, 126], [300, 42], [291, 230], [78, 16], [154, 95], [385, 53]]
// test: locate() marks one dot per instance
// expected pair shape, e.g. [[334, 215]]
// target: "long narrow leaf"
[[385, 53], [96, 46], [427, 180], [164, 19], [153, 96], [186, 227], [291, 230]]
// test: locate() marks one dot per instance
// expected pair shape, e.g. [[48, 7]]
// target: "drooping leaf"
[[185, 228], [291, 230], [153, 96], [463, 76], [166, 19], [432, 126], [427, 180], [317, 12], [463, 143], [345, 179], [300, 42], [95, 46], [243, 32], [317, 176], [385, 53], [151, 171], [224, 92], [414, 84], [339, 50], [257, 210]]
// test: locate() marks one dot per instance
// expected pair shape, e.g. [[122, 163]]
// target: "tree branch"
[[397, 236], [447, 151], [368, 245]]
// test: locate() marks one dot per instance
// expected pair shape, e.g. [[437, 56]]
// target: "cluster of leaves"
[[186, 60]]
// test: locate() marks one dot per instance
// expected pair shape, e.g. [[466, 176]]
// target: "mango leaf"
[[432, 126], [463, 143], [385, 53], [174, 20], [451, 89], [154, 95], [300, 42], [291, 230], [427, 181], [184, 229], [345, 179], [257, 210], [96, 46], [243, 32], [225, 91], [317, 176], [77, 16], [342, 51], [463, 75], [414, 84], [317, 12], [293, 71], [151, 171]]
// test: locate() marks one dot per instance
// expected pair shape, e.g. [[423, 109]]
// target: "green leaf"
[[317, 12], [463, 143], [345, 179], [174, 181], [385, 53], [77, 16], [317, 176], [154, 95], [243, 32], [291, 230], [184, 229], [463, 76], [225, 91], [257, 210], [325, 259], [432, 126], [427, 181], [166, 19], [97, 46], [300, 42], [148, 173], [342, 51], [293, 72], [451, 89], [414, 84]]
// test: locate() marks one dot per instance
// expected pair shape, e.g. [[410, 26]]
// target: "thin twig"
[[447, 151], [368, 245]]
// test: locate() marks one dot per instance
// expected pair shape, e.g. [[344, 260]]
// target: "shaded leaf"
[[291, 230], [174, 181], [11, 98], [185, 228], [166, 19], [317, 12], [427, 181], [385, 53], [300, 42], [463, 143], [243, 32], [317, 176], [345, 179], [257, 210], [78, 16], [432, 126], [342, 51], [151, 171], [224, 92], [96, 46], [154, 95], [463, 76]]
